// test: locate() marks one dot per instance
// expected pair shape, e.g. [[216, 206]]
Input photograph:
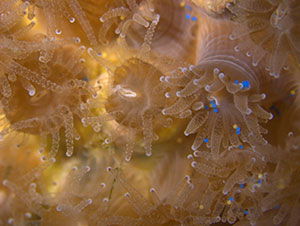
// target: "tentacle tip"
[[186, 133], [4, 182], [194, 148], [231, 37], [271, 116], [248, 111], [193, 164]]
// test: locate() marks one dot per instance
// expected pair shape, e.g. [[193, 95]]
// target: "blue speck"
[[86, 79], [246, 84], [238, 132], [188, 16], [246, 212], [230, 199], [206, 140], [206, 107], [242, 185], [259, 181], [212, 102], [216, 110], [238, 129], [188, 7], [213, 105], [241, 147], [194, 18], [236, 81]]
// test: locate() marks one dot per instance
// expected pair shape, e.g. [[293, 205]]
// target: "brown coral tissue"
[[149, 112]]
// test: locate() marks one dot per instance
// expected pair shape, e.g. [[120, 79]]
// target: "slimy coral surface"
[[149, 112]]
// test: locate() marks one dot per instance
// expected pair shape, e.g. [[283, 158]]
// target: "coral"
[[43, 100], [222, 94], [136, 97], [149, 112], [273, 27]]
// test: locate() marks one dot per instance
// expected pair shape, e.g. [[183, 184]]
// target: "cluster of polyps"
[[273, 27], [43, 100], [223, 98], [158, 25]]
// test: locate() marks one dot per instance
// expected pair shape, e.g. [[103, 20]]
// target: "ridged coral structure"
[[93, 79], [273, 27]]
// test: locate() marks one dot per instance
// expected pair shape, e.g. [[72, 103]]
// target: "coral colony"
[[150, 112]]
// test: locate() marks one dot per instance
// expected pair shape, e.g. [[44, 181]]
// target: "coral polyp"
[[222, 94], [136, 96], [273, 27], [45, 99], [149, 112], [162, 25]]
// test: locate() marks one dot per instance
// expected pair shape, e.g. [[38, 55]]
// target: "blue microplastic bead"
[[194, 18], [216, 110], [241, 147], [246, 84], [188, 16], [205, 140]]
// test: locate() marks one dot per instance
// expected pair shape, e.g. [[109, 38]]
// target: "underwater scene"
[[149, 112]]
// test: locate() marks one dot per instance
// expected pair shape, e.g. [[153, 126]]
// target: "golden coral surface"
[[149, 112]]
